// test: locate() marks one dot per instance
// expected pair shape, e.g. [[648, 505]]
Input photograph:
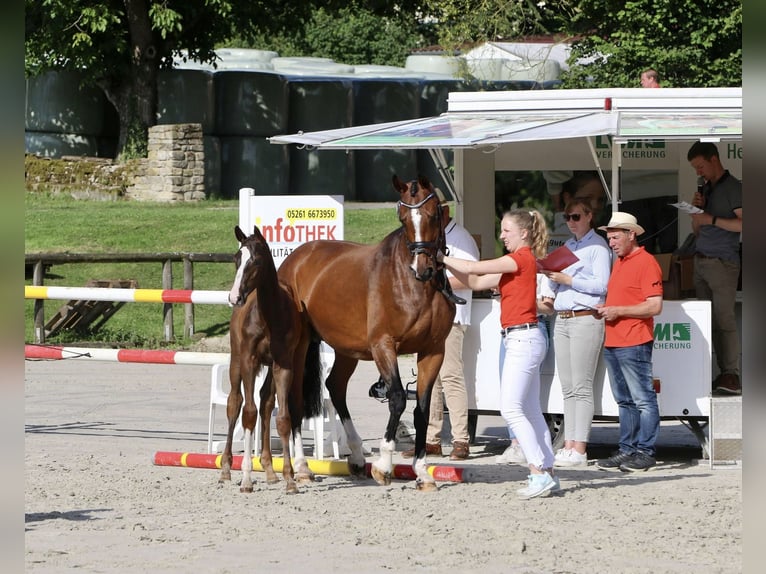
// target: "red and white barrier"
[[325, 467], [53, 352], [126, 295]]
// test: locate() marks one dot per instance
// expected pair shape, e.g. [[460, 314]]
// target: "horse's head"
[[421, 216], [251, 262]]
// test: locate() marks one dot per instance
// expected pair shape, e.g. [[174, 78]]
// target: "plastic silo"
[[186, 96], [378, 100], [212, 147], [56, 103], [434, 64], [55, 145], [250, 103], [253, 162], [320, 104]]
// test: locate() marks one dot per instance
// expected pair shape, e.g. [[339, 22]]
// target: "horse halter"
[[424, 247]]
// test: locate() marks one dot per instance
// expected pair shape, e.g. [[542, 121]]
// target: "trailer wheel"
[[556, 427]]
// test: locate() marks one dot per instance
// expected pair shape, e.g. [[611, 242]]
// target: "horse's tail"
[[312, 382]]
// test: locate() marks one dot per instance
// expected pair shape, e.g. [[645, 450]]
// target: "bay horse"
[[266, 330], [374, 302]]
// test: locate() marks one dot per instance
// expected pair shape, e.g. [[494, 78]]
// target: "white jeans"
[[520, 395]]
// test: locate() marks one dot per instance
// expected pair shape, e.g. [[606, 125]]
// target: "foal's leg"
[[267, 407], [337, 383], [249, 418], [283, 379], [233, 406]]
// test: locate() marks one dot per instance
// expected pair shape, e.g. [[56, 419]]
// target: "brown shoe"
[[727, 384], [459, 451], [432, 449]]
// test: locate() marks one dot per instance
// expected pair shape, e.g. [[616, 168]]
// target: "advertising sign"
[[287, 221]]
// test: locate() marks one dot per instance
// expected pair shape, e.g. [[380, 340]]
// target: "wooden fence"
[[39, 262]]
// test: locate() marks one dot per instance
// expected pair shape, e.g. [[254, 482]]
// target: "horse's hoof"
[[291, 488], [382, 478], [244, 488], [272, 479], [225, 477], [304, 477], [424, 486], [357, 471]]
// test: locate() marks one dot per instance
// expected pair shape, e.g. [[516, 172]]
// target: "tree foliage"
[[120, 45], [691, 43], [465, 22]]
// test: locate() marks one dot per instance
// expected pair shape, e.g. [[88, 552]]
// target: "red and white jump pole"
[[53, 352], [127, 295], [324, 467]]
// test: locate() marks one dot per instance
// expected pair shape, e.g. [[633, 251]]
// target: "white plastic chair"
[[219, 393]]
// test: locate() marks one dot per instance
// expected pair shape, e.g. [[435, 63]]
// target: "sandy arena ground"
[[94, 501]]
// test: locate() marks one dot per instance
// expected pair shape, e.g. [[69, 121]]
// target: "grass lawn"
[[61, 224]]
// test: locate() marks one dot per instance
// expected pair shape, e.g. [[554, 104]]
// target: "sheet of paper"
[[686, 207]]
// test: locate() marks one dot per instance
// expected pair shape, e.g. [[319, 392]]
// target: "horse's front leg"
[[428, 370], [382, 469], [249, 419], [233, 406]]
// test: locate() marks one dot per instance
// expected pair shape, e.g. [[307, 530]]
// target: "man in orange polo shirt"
[[633, 298]]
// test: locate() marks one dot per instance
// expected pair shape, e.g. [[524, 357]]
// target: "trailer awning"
[[496, 118], [471, 130]]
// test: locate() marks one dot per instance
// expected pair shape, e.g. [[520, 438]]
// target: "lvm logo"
[[672, 335]]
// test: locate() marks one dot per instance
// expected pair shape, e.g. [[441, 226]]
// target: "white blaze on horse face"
[[417, 217], [234, 293]]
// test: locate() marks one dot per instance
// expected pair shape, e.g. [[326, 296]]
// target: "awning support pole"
[[600, 172], [437, 155]]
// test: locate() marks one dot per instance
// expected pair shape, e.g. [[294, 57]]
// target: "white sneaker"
[[570, 457], [512, 455], [539, 485]]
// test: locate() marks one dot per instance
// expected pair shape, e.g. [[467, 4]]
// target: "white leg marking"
[[385, 461], [421, 470], [354, 442]]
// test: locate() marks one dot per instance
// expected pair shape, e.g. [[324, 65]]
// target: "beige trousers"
[[450, 382]]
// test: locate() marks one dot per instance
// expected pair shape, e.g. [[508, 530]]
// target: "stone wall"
[[174, 169]]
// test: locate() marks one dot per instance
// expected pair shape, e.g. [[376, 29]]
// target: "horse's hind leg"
[[233, 406], [337, 385], [267, 407], [283, 380]]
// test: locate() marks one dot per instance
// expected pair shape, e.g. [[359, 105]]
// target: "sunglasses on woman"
[[572, 216]]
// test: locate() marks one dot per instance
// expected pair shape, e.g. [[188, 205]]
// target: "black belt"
[[521, 327], [578, 313]]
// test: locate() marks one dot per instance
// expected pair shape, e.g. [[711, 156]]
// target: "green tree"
[[120, 45], [466, 22], [691, 43]]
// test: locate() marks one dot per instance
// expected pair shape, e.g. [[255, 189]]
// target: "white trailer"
[[622, 133]]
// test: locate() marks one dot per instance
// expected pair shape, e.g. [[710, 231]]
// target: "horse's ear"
[[399, 185], [424, 182], [257, 232], [238, 233]]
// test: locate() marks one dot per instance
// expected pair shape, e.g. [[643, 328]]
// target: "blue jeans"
[[630, 376]]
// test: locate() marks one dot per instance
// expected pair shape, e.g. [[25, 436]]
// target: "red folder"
[[557, 260]]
